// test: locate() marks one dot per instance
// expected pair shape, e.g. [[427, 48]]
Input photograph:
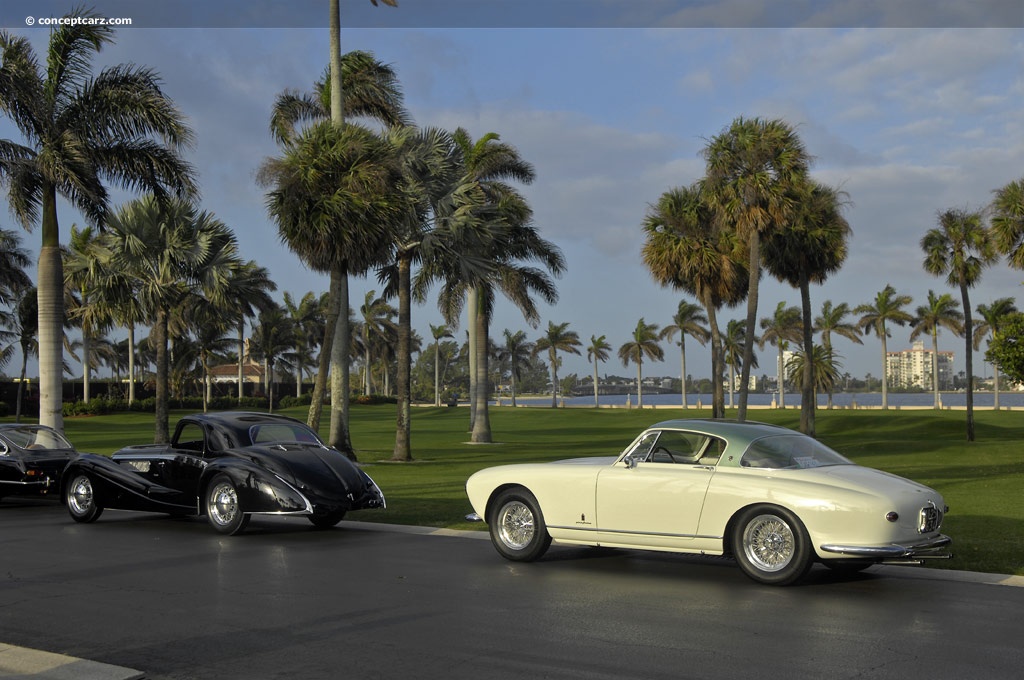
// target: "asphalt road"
[[174, 600]]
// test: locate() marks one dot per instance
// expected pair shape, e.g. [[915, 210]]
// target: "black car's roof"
[[240, 418]]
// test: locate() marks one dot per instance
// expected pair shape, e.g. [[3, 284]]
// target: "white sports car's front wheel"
[[517, 526], [771, 545]]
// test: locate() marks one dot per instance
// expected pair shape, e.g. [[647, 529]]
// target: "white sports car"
[[774, 499]]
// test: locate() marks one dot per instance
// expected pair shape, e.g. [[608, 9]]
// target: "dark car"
[[226, 466], [31, 459]]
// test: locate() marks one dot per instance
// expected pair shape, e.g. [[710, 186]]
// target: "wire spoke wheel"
[[768, 542]]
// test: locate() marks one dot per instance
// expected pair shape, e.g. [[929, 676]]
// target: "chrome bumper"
[[473, 517], [931, 549]]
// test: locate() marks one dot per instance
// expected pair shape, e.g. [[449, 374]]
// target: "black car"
[[226, 466], [31, 459]]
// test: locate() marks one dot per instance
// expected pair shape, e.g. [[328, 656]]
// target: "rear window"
[[790, 452]]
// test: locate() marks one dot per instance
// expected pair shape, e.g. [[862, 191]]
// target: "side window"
[[189, 437], [686, 448]]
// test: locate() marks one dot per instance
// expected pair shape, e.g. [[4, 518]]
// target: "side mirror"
[[630, 462]]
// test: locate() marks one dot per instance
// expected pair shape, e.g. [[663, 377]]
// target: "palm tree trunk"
[[241, 359], [161, 427], [935, 364], [472, 310], [732, 383], [50, 292], [639, 383], [717, 395], [437, 372], [403, 429], [553, 357], [21, 386], [748, 344], [270, 385], [995, 379], [808, 400], [782, 377], [316, 404], [596, 402], [340, 373], [481, 423], [298, 371], [969, 337], [682, 364], [885, 372], [131, 363], [86, 368]]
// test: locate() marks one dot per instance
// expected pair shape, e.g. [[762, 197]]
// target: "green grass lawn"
[[981, 481]]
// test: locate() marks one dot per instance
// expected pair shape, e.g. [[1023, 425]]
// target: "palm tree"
[[272, 338], [753, 168], [684, 250], [307, 321], [644, 342], [597, 351], [378, 327], [85, 275], [333, 196], [784, 327], [732, 351], [13, 261], [81, 131], [941, 311], [209, 325], [438, 332], [824, 371], [990, 323], [688, 320], [807, 251], [168, 251], [517, 351], [960, 249], [246, 291], [481, 243], [1008, 222], [558, 338], [887, 308], [26, 319], [832, 320]]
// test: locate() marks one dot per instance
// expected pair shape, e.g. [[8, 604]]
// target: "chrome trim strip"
[[931, 548], [46, 481], [633, 533]]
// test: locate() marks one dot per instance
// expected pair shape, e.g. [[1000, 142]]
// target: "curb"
[[22, 663]]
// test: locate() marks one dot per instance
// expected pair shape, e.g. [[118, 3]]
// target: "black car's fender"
[[120, 486], [259, 491]]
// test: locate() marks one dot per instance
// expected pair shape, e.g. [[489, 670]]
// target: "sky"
[[911, 107]]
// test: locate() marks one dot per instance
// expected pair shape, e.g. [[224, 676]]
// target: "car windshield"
[[790, 452], [270, 433], [36, 438]]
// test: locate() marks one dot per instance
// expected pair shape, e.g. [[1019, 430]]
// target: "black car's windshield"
[[36, 438], [790, 452], [272, 433]]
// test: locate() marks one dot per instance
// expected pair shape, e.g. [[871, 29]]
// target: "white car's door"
[[657, 502]]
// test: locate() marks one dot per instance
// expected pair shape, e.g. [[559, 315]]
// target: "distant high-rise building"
[[913, 368]]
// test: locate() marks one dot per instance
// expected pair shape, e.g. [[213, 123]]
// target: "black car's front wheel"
[[771, 545], [80, 497], [221, 505], [517, 526]]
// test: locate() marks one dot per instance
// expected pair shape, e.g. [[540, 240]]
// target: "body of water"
[[1012, 400]]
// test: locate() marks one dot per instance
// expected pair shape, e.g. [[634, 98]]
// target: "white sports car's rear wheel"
[[771, 545], [517, 526]]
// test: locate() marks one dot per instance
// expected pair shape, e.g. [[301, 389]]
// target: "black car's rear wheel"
[[221, 505], [517, 526], [80, 497], [771, 545], [326, 520]]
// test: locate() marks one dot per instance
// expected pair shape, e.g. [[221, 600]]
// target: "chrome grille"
[[930, 519]]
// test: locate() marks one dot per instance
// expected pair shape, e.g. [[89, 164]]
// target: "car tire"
[[771, 545], [517, 526], [326, 520], [80, 497], [220, 502]]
